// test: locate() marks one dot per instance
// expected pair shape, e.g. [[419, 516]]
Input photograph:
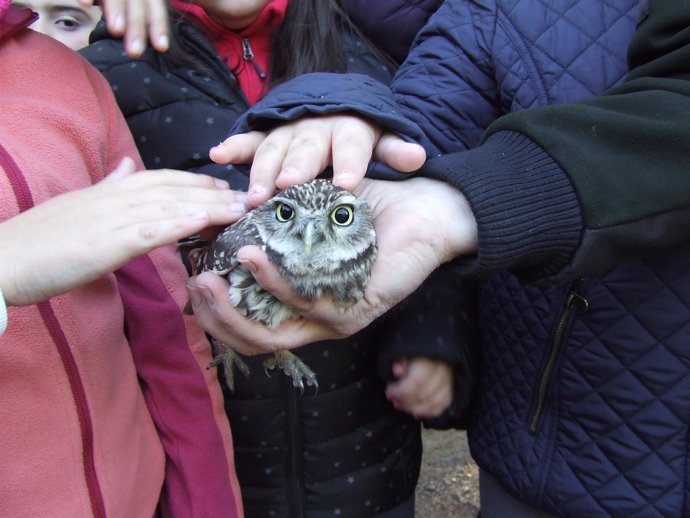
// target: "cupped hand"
[[423, 387], [136, 21], [298, 151], [78, 236], [420, 223]]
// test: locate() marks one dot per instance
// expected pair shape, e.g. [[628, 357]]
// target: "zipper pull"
[[575, 298], [248, 55]]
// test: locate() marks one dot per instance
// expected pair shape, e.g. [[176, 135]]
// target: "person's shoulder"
[[44, 61], [46, 55]]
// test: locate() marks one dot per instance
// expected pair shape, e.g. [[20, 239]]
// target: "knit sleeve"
[[625, 153]]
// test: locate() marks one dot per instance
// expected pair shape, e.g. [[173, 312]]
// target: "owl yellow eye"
[[343, 215], [284, 212]]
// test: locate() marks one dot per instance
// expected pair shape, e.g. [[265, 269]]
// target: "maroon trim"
[[197, 481], [15, 19], [25, 202]]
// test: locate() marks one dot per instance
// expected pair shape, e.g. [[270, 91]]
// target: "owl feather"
[[322, 240]]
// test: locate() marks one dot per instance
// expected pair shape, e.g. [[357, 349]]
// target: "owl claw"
[[294, 368], [229, 358]]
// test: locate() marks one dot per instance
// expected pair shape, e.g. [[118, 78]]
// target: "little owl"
[[322, 240]]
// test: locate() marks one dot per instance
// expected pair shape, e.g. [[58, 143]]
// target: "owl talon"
[[294, 368], [229, 358]]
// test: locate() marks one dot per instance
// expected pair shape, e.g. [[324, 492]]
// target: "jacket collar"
[[246, 52]]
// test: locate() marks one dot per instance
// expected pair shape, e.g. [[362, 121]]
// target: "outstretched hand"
[[136, 21], [78, 236], [420, 223], [299, 151]]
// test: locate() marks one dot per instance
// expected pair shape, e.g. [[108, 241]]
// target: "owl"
[[322, 240]]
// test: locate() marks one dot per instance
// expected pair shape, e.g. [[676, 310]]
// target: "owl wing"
[[220, 256]]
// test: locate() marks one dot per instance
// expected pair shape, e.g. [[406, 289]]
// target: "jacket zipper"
[[572, 302], [295, 472], [25, 201], [248, 56]]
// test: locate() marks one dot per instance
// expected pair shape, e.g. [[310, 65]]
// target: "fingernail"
[[119, 22], [163, 42], [221, 184], [249, 265], [206, 294], [194, 296], [136, 46]]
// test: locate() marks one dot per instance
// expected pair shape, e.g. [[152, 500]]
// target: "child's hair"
[[309, 40]]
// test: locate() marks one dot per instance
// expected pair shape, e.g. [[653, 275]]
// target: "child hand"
[[298, 151], [424, 387], [136, 21], [78, 236]]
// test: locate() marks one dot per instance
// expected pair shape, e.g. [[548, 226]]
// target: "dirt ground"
[[449, 483]]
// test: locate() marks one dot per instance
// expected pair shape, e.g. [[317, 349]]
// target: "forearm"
[[527, 214], [616, 162]]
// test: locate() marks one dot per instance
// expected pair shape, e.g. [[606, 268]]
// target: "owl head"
[[316, 227]]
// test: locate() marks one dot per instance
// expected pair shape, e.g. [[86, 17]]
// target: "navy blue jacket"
[[392, 24], [582, 407]]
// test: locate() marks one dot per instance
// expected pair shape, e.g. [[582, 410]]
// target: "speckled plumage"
[[322, 240]]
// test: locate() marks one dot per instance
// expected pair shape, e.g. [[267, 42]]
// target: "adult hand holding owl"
[[420, 224]]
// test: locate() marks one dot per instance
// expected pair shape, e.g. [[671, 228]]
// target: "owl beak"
[[308, 237]]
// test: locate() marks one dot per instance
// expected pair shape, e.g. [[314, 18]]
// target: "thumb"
[[402, 156]]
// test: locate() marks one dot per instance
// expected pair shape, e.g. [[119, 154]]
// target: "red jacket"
[[96, 421]]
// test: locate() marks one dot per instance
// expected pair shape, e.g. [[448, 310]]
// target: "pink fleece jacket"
[[106, 408]]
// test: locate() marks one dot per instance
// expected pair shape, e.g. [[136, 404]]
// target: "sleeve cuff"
[[527, 212]]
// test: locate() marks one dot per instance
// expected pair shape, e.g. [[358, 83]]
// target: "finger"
[[267, 275], [237, 149], [353, 145], [135, 32], [214, 313], [308, 153], [114, 14], [402, 156], [269, 164], [176, 204], [174, 178], [223, 321], [159, 29], [433, 397]]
